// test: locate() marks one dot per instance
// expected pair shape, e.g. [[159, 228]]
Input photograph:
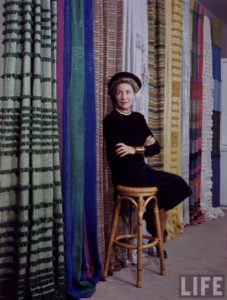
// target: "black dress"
[[132, 170]]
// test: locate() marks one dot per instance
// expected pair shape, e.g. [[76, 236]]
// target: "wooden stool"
[[139, 197]]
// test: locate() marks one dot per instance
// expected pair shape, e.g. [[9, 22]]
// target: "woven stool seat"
[[139, 197]]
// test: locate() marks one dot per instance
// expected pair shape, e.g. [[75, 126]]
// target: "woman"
[[128, 141]]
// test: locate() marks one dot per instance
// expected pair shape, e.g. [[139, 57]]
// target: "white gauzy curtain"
[[135, 49], [185, 108], [208, 87], [135, 52]]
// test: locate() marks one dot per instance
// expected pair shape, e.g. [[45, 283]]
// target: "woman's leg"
[[151, 228], [150, 222], [163, 215]]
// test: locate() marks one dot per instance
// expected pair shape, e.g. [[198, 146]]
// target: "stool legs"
[[112, 235], [140, 242], [139, 197], [132, 229], [160, 244]]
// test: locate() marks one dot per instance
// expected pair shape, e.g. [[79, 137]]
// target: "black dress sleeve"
[[152, 149], [112, 137]]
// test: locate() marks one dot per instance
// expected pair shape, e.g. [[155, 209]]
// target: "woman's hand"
[[149, 141], [123, 149]]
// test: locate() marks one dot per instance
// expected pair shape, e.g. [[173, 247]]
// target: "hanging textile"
[[135, 49], [168, 79], [66, 145], [196, 215], [108, 52], [31, 221], [185, 105], [100, 111], [1, 52], [172, 107], [83, 265], [156, 67], [172, 123], [90, 207], [135, 55], [216, 54], [208, 106], [60, 70]]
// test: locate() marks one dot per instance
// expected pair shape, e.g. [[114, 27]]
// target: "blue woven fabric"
[[216, 56], [217, 95], [90, 142], [216, 181], [66, 149], [79, 152]]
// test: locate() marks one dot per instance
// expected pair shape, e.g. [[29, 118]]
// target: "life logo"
[[204, 286]]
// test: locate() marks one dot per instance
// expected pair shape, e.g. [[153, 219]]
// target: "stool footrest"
[[153, 241]]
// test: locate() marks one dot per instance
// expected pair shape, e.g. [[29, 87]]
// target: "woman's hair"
[[123, 77], [113, 88]]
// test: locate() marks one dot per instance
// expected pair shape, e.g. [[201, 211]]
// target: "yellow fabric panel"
[[168, 86], [172, 120], [216, 27], [156, 67]]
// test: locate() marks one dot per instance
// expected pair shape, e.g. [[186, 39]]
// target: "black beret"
[[119, 75]]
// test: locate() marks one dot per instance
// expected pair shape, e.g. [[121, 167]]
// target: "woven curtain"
[[60, 71], [185, 105], [136, 48], [83, 266], [207, 130], [135, 54], [172, 117], [208, 86], [108, 53], [196, 97], [156, 69], [31, 222], [216, 55]]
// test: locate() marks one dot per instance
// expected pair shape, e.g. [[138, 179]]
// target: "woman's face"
[[124, 97]]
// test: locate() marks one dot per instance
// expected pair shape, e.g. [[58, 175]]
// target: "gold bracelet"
[[140, 149]]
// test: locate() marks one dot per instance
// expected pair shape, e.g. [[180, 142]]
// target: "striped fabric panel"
[[108, 49], [156, 65], [216, 27], [60, 70], [31, 224], [185, 105], [168, 85], [172, 121], [208, 87], [196, 215]]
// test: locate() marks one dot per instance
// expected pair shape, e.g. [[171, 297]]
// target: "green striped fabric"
[[31, 223]]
